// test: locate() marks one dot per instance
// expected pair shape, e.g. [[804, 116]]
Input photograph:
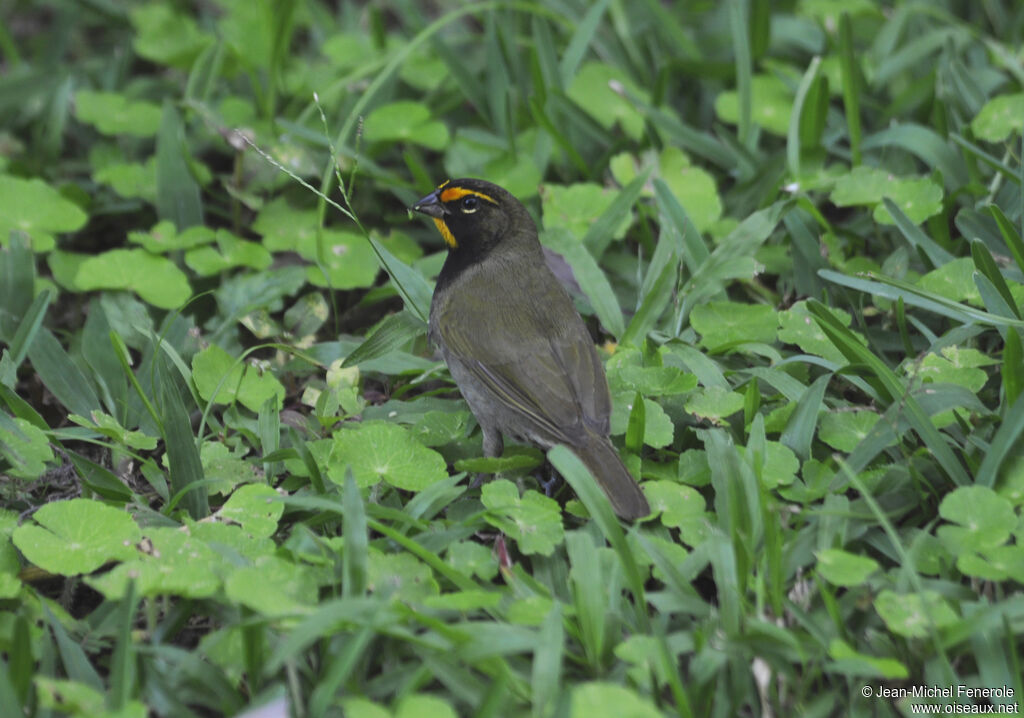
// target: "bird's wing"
[[539, 362]]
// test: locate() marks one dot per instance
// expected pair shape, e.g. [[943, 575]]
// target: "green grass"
[[234, 473]]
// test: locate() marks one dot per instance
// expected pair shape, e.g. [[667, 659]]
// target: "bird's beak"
[[431, 205]]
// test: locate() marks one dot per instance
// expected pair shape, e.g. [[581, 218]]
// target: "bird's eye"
[[470, 203]]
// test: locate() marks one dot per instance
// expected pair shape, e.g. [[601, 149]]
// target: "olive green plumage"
[[512, 339]]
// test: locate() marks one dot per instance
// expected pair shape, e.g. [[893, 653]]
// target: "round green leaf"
[[842, 568], [168, 562], [533, 520], [609, 700], [38, 210], [400, 577], [714, 404], [999, 118], [405, 121], [273, 586], [594, 90], [157, 280], [843, 430], [77, 536], [912, 614], [771, 104], [114, 114], [213, 367], [577, 206], [25, 447], [721, 323], [381, 451], [984, 519], [255, 507]]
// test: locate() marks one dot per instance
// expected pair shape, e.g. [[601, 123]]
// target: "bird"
[[513, 341]]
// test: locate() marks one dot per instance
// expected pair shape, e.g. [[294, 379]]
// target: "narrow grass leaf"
[[893, 390], [122, 661], [546, 673], [987, 266], [851, 80], [17, 280], [393, 333], [929, 146], [573, 54], [409, 282], [177, 192], [592, 281], [739, 26], [589, 593], [597, 504], [799, 432], [1010, 235], [890, 288], [916, 236], [186, 469], [601, 232], [1012, 368], [694, 251], [354, 549], [1006, 442], [995, 163], [61, 375], [799, 118], [76, 663], [28, 327]]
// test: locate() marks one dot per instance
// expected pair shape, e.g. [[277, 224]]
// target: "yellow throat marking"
[[446, 233]]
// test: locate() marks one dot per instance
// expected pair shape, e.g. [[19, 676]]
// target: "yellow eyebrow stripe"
[[453, 193]]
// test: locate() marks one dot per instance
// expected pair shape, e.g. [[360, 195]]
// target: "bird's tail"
[[598, 454]]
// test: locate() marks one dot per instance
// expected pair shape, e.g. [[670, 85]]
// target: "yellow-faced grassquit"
[[514, 342]]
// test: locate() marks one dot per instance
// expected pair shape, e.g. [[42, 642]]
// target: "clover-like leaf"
[[471, 559], [842, 568], [726, 323], [953, 280], [999, 118], [77, 536], [608, 700], [918, 198], [348, 260], [130, 179], [405, 121], [651, 380], [229, 252], [796, 326], [577, 206], [779, 465], [659, 430], [167, 562], [273, 586], [166, 36], [114, 114], [223, 468], [25, 447], [714, 404], [222, 380], [157, 280], [694, 188], [680, 506], [843, 430], [255, 507], [934, 368], [771, 104], [37, 209], [381, 451], [533, 520], [983, 519], [164, 237], [399, 576], [912, 614], [595, 88]]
